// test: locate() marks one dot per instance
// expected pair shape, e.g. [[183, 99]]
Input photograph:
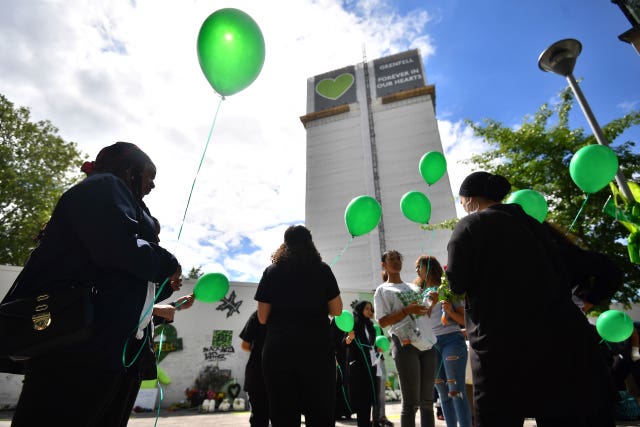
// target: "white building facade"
[[368, 125]]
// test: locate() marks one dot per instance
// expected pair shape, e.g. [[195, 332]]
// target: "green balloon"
[[593, 167], [362, 215], [382, 342], [345, 321], [230, 50], [211, 287], [432, 166], [532, 202], [378, 329], [416, 207], [614, 326]]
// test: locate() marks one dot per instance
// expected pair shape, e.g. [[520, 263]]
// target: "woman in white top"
[[406, 310]]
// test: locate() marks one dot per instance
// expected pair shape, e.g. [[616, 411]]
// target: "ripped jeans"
[[451, 363]]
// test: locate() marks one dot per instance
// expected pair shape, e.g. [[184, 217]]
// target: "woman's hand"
[[417, 309], [185, 302], [447, 307], [350, 337]]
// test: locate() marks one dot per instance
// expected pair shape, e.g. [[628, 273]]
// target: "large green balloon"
[[416, 207], [211, 287], [614, 326], [230, 50], [432, 166], [382, 342], [345, 321], [378, 329], [532, 202], [593, 167], [362, 215]]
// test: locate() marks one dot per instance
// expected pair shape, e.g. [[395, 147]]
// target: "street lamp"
[[560, 58], [631, 10]]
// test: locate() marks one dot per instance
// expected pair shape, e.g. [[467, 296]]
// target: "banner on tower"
[[335, 88], [399, 72]]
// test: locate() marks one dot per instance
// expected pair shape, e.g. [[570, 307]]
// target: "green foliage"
[[537, 155], [447, 224], [195, 273], [36, 166], [445, 293]]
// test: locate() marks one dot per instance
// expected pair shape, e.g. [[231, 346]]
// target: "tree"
[[36, 166], [537, 156], [195, 273]]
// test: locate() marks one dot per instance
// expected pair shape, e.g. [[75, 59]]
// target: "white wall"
[[196, 327], [10, 384]]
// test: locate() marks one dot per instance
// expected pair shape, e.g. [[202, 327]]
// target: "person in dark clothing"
[[624, 359], [362, 362], [593, 276], [296, 295], [252, 336], [343, 409], [505, 262], [100, 235]]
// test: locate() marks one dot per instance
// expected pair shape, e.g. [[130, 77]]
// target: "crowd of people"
[[522, 287]]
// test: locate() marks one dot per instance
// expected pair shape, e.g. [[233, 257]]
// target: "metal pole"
[[597, 132]]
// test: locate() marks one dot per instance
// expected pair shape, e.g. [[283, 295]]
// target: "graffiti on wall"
[[220, 347], [168, 336], [230, 304]]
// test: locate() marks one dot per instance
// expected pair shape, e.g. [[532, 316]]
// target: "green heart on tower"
[[335, 88]]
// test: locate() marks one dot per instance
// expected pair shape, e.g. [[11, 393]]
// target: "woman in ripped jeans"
[[451, 348]]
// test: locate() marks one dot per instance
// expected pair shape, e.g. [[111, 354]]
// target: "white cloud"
[[103, 71], [458, 142]]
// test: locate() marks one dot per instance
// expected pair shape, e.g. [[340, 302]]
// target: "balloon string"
[[431, 235], [341, 252], [365, 357], [579, 212], [158, 379], [344, 393], [429, 240], [200, 166]]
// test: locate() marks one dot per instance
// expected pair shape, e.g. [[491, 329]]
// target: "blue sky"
[[108, 70], [485, 63]]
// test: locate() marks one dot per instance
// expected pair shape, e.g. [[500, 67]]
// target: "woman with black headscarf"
[[362, 362], [296, 295], [533, 353], [100, 236]]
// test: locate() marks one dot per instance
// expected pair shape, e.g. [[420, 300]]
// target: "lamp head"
[[560, 57]]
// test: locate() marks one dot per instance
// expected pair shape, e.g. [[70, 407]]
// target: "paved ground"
[[237, 419]]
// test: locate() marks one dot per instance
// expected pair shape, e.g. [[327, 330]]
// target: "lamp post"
[[631, 10], [560, 58]]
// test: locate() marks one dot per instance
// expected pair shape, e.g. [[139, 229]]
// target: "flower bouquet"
[[195, 396], [446, 294]]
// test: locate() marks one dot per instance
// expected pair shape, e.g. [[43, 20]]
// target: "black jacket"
[[99, 235]]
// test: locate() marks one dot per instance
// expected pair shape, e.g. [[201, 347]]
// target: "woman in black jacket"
[[527, 337], [362, 363], [100, 235]]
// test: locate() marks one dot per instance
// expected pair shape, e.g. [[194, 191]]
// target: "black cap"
[[485, 184]]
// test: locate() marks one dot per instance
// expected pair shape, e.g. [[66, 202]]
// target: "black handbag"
[[51, 321]]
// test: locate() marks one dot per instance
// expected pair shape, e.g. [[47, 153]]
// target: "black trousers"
[[259, 408], [300, 386], [71, 395]]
